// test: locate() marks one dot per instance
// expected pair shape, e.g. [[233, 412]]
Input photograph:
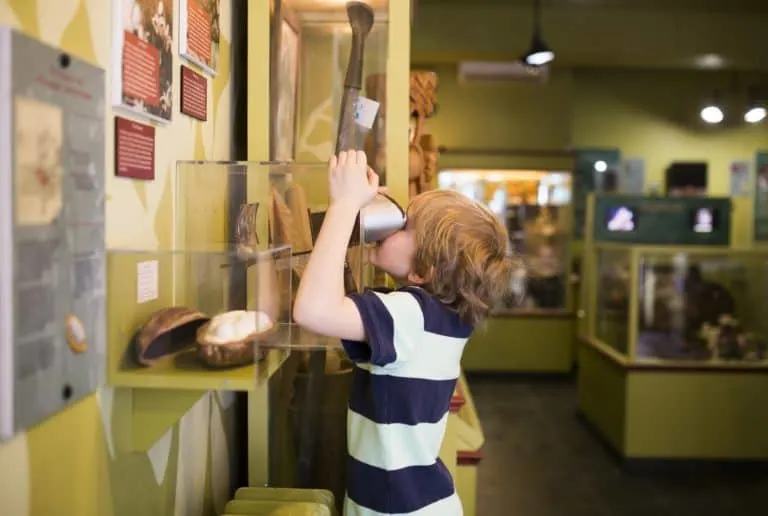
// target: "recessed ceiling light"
[[709, 61], [712, 114]]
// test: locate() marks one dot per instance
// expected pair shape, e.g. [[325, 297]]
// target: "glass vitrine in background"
[[535, 207]]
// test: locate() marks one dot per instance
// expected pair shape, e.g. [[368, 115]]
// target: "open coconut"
[[167, 331], [228, 339]]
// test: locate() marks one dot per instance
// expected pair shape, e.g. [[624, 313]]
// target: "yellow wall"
[[73, 463], [655, 116], [647, 114]]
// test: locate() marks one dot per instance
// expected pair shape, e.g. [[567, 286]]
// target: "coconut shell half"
[[235, 353], [167, 331]]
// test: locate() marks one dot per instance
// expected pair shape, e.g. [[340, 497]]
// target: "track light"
[[539, 53]]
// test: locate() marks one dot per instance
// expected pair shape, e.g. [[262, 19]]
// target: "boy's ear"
[[417, 279]]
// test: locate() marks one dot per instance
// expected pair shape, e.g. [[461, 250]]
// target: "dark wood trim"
[[469, 457]]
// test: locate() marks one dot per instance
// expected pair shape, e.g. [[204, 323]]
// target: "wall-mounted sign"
[[52, 245], [134, 149], [199, 33], [761, 197], [142, 58], [739, 172], [194, 94], [662, 220]]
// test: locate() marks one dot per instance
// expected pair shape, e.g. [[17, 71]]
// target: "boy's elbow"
[[303, 314], [299, 313]]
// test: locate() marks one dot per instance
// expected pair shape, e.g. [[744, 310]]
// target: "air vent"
[[490, 71]]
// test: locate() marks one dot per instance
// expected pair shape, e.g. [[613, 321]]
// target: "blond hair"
[[461, 252]]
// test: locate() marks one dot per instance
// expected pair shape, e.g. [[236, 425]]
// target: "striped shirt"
[[402, 386]]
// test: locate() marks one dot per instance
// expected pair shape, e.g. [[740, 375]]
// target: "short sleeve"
[[392, 321]]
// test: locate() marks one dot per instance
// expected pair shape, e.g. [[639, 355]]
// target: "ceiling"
[[647, 34], [656, 5]]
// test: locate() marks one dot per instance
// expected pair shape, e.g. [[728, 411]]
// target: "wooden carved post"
[[423, 148]]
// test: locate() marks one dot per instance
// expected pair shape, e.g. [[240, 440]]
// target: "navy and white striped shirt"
[[402, 387]]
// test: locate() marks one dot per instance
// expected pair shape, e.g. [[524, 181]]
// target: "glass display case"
[[535, 206], [210, 307], [321, 39], [688, 304]]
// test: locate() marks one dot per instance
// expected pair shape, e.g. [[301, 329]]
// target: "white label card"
[[365, 112], [146, 281]]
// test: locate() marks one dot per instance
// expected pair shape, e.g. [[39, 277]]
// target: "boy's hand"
[[350, 180]]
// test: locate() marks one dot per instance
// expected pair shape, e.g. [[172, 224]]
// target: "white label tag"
[[146, 281], [365, 112]]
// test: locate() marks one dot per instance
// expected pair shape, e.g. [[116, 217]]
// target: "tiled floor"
[[540, 460]]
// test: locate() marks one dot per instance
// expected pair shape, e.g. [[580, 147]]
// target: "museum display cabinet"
[[213, 310], [533, 328], [673, 361]]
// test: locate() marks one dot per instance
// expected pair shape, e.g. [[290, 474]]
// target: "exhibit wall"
[[651, 115], [74, 463]]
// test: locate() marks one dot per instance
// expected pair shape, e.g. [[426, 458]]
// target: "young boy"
[[407, 343]]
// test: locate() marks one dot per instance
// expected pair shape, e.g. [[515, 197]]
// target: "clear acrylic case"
[[670, 305], [241, 235], [264, 207], [163, 324]]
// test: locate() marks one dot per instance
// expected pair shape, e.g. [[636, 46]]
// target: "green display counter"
[[674, 412], [535, 341]]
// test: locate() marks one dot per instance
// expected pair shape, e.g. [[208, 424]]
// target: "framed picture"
[[142, 74], [286, 43], [200, 33]]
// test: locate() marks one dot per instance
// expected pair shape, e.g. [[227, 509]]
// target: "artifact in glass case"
[[728, 340], [351, 134], [229, 338], [167, 331], [246, 237], [696, 305]]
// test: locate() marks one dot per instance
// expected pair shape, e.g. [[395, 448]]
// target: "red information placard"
[[194, 94], [141, 70], [199, 31], [134, 149]]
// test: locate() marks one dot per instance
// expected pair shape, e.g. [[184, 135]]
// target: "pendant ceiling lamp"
[[712, 112], [756, 111], [539, 53]]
